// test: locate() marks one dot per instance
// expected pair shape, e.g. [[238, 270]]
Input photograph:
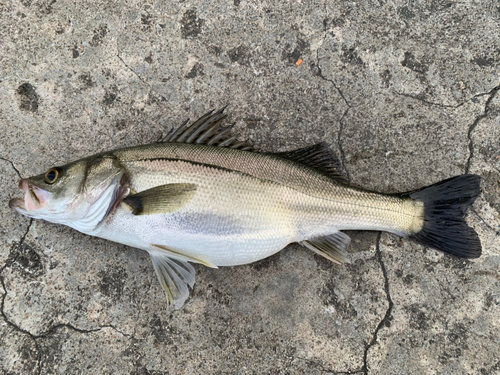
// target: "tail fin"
[[444, 207]]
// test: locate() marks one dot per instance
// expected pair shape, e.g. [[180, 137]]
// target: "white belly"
[[215, 239]]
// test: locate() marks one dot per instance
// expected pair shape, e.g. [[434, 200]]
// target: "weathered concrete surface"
[[406, 93]]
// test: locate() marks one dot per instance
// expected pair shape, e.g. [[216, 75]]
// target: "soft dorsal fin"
[[319, 157], [160, 200], [207, 130]]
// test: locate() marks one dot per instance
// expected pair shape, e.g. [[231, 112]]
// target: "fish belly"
[[215, 239]]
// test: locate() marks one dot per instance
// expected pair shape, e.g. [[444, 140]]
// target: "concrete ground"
[[406, 92]]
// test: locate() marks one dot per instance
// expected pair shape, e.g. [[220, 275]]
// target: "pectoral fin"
[[160, 200], [174, 276], [332, 247]]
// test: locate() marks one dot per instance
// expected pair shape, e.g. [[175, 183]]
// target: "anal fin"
[[333, 247]]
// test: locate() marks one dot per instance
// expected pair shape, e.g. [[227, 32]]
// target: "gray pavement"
[[405, 92]]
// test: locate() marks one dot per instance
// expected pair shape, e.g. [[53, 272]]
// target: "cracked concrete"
[[339, 136], [386, 320], [405, 93], [487, 109]]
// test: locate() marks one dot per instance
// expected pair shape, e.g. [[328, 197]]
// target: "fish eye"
[[51, 175]]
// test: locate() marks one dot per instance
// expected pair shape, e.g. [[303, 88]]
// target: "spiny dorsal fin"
[[332, 247], [160, 200], [174, 276], [319, 157], [207, 130]]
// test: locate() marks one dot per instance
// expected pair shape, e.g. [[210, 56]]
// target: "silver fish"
[[204, 197]]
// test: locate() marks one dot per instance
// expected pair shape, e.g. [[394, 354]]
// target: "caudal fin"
[[444, 207]]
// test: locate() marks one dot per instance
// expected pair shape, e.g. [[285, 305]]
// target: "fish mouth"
[[34, 197]]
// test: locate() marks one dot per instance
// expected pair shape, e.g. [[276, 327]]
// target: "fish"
[[201, 196]]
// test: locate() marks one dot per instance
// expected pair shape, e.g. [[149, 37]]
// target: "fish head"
[[69, 193]]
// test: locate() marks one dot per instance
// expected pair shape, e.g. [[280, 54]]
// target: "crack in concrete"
[[21, 241], [484, 221], [129, 335], [319, 73], [17, 328], [151, 90], [23, 238], [441, 105], [387, 317], [133, 71], [13, 166], [420, 99], [491, 96], [71, 327]]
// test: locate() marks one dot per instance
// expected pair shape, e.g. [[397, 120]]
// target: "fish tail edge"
[[444, 227]]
